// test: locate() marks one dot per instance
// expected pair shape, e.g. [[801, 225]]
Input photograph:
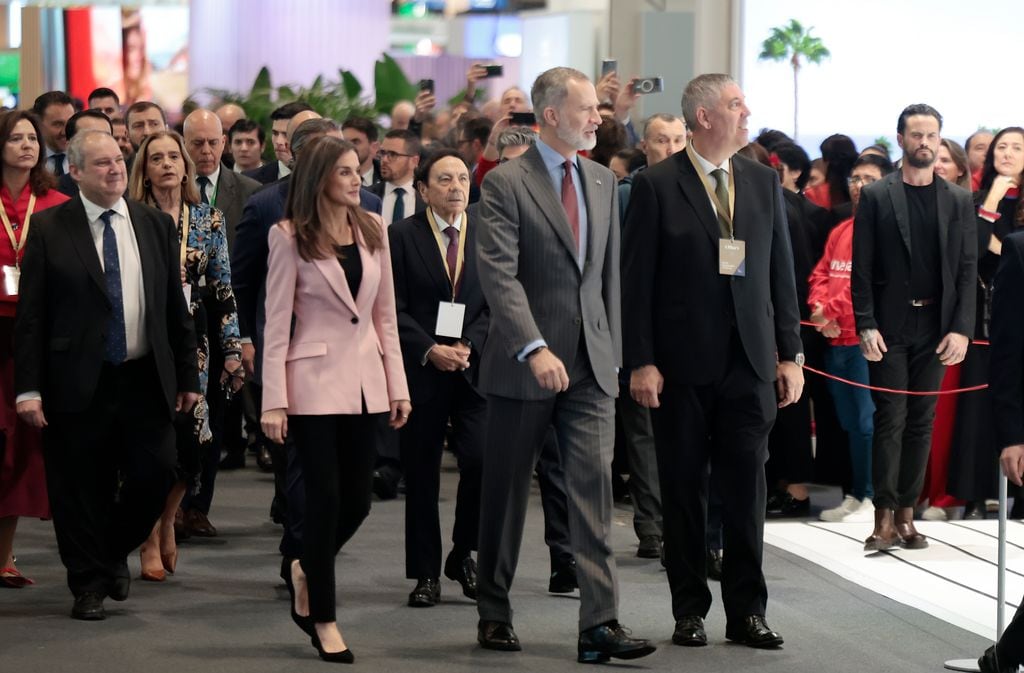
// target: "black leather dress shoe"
[[427, 594], [753, 632], [89, 607], [715, 565], [265, 459], [690, 632], [198, 524], [385, 482], [988, 663], [463, 571], [497, 636], [563, 578], [603, 642], [649, 547], [788, 507], [119, 588]]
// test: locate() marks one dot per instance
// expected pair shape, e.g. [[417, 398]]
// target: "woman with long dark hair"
[[332, 364], [26, 187], [974, 450]]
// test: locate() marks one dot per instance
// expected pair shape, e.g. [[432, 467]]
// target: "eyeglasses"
[[857, 181], [390, 155]]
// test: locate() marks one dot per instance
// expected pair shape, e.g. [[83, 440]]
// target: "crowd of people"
[[576, 295]]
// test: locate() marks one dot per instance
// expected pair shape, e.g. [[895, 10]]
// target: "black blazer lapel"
[[742, 185], [693, 190], [899, 207], [540, 188], [81, 239], [426, 247], [146, 232]]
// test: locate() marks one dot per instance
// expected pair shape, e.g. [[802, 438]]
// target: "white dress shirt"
[[707, 167], [132, 288], [388, 205], [282, 170]]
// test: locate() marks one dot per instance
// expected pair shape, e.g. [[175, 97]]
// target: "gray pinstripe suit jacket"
[[533, 284]]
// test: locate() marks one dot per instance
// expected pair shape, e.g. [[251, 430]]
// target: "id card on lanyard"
[[450, 315], [732, 253], [12, 274]]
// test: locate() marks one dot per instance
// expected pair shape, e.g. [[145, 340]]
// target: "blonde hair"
[[139, 187]]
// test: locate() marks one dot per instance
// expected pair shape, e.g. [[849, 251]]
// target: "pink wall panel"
[[297, 39]]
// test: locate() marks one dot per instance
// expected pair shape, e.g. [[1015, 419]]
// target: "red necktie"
[[571, 205], [452, 254]]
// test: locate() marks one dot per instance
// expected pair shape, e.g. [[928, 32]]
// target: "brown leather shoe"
[[884, 535], [909, 537], [198, 525]]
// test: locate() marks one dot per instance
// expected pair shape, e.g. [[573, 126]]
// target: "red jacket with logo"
[[830, 283]]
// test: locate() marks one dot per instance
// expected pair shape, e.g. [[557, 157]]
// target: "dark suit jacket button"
[[355, 321], [577, 321]]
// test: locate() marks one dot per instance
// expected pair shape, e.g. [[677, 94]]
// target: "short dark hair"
[[769, 138], [104, 92], [478, 128], [363, 125], [423, 170], [50, 98], [142, 106], [411, 140], [289, 110], [247, 126], [633, 157], [877, 160], [72, 126], [917, 109], [796, 158]]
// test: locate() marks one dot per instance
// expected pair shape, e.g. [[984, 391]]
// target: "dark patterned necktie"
[[58, 164], [452, 254], [204, 182], [571, 204], [117, 340], [398, 214]]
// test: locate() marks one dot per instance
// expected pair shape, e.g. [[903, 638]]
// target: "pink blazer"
[[343, 348]]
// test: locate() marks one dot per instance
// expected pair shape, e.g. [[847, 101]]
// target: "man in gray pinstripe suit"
[[548, 251]]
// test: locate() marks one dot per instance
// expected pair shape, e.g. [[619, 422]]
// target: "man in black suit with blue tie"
[[442, 324], [105, 355]]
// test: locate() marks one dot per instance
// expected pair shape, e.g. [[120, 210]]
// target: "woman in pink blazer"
[[328, 378]]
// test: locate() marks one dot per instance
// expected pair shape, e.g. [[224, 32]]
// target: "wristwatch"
[[799, 359]]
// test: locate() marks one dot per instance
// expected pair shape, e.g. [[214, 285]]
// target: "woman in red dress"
[[26, 188]]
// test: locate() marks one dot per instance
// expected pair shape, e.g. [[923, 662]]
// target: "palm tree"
[[793, 42]]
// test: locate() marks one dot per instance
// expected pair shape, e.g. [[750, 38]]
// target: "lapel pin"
[[598, 182]]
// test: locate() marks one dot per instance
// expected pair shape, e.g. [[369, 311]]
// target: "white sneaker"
[[934, 514], [849, 505], [865, 512]]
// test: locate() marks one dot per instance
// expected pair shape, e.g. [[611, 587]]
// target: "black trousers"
[[109, 469], [726, 424], [1010, 648], [422, 442], [903, 423], [337, 454]]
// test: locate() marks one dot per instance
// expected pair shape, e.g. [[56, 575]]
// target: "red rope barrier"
[[856, 384]]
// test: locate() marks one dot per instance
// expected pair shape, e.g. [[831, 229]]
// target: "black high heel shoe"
[[343, 657], [304, 623]]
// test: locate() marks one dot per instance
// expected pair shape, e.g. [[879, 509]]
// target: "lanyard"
[[15, 243], [709, 188], [460, 258], [185, 221]]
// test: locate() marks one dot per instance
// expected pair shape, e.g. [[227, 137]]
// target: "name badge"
[[732, 257], [450, 317], [12, 277]]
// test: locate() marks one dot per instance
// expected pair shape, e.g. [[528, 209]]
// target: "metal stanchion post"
[[971, 665]]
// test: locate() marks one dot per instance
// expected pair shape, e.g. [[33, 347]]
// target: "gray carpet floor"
[[226, 609]]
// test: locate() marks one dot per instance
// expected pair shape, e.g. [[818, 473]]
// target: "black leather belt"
[[922, 302]]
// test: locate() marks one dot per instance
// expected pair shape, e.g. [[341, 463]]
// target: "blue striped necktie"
[[117, 341]]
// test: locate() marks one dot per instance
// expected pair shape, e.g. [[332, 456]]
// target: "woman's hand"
[[275, 424], [400, 410], [1000, 185]]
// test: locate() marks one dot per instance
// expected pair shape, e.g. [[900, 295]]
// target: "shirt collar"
[[50, 153], [93, 211], [212, 177], [706, 165], [282, 169], [391, 186], [553, 159], [443, 224]]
